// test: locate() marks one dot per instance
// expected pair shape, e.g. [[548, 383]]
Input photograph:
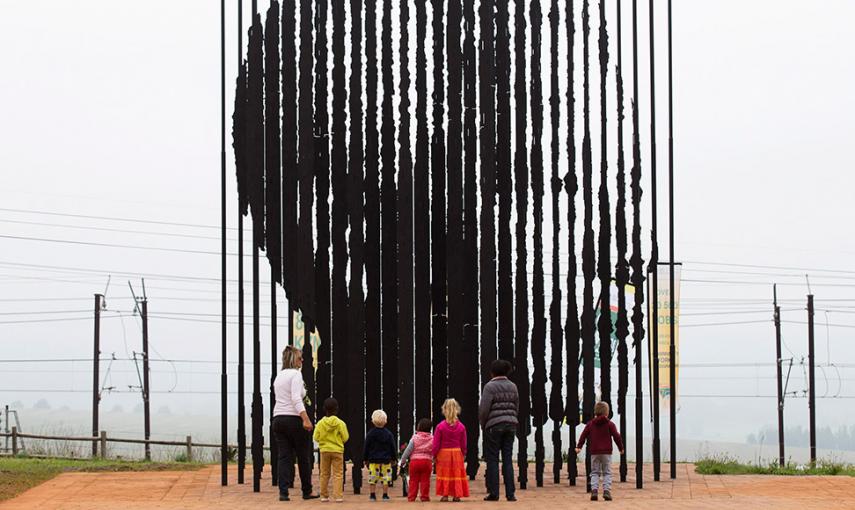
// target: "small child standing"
[[600, 431], [419, 454], [379, 453], [331, 434], [449, 450]]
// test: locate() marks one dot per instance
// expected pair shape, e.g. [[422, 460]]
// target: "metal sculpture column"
[[538, 334], [556, 402], [521, 182], [622, 267], [571, 326]]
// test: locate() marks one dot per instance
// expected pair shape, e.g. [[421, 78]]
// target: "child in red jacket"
[[599, 432]]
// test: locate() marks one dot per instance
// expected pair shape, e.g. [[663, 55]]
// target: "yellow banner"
[[664, 332], [298, 337]]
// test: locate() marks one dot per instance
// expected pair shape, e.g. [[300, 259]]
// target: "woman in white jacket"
[[292, 427]]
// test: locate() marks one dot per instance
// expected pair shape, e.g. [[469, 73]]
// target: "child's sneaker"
[[386, 497], [340, 500], [325, 500], [607, 495], [372, 497], [593, 495]]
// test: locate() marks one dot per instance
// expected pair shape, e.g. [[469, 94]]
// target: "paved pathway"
[[201, 489]]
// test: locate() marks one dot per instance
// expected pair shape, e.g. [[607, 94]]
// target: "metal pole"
[[241, 425], [257, 406], [779, 378], [224, 388], [672, 351], [274, 468], [96, 366], [639, 389], [654, 259], [811, 381], [146, 401]]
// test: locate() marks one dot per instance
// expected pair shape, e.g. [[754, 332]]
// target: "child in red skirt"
[[449, 450], [419, 456]]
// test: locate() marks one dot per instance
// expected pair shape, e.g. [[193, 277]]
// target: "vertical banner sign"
[[664, 332], [613, 311], [298, 334]]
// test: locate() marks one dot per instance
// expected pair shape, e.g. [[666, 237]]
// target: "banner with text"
[[664, 331]]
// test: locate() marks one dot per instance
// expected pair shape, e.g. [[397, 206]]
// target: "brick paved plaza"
[[201, 489]]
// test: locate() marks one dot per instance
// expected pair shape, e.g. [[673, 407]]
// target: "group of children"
[[446, 448]]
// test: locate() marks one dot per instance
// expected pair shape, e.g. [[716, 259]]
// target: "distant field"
[[17, 474], [730, 466]]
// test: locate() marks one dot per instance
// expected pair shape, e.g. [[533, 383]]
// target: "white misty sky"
[[112, 109]]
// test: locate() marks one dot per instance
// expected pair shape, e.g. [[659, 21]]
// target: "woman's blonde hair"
[[379, 418], [290, 355], [451, 410]]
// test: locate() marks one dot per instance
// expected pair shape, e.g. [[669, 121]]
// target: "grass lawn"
[[18, 474], [728, 466]]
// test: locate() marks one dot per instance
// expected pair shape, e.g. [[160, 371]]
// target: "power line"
[[113, 218], [134, 274], [112, 245], [735, 323], [785, 268], [116, 230], [851, 326]]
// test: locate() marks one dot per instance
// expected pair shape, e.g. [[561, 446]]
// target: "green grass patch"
[[723, 465], [17, 474]]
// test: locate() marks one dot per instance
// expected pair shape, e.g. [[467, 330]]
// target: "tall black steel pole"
[[96, 390], [654, 257], [241, 391], [224, 388], [257, 406], [637, 277], [811, 381], [274, 468], [257, 416], [672, 374], [146, 393], [780, 377]]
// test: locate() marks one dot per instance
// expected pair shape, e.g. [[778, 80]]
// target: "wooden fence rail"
[[103, 439]]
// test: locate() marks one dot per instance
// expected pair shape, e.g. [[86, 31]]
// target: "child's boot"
[[372, 497], [607, 495], [594, 495]]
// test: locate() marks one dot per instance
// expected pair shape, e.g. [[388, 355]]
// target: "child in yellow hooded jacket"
[[331, 434]]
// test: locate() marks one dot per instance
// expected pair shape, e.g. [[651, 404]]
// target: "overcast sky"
[[111, 109]]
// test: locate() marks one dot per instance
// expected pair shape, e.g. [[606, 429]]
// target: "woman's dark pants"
[[500, 439], [294, 442]]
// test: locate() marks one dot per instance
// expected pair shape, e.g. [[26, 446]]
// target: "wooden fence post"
[[14, 440], [189, 449], [103, 444]]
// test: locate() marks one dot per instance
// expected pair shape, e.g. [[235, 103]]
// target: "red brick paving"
[[202, 489]]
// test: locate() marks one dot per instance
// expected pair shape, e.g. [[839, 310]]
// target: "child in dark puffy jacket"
[[379, 453], [599, 432]]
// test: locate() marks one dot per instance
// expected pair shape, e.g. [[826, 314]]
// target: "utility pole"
[[811, 381], [96, 366], [780, 377], [146, 400]]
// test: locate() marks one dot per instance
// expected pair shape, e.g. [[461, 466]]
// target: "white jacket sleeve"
[[297, 393]]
